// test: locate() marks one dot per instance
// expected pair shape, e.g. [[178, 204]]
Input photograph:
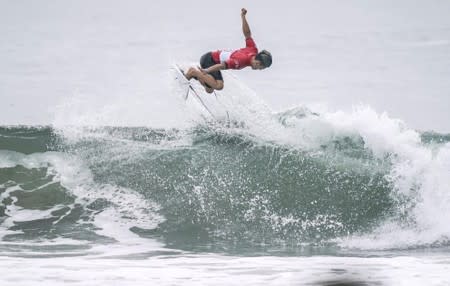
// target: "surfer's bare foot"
[[209, 90]]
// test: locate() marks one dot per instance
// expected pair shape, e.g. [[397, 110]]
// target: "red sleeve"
[[249, 43]]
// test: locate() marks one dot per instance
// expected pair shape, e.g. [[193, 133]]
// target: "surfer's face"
[[257, 65]]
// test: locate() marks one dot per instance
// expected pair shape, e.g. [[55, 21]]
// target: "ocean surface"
[[331, 168]]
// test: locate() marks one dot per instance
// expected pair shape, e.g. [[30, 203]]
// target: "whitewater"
[[331, 168]]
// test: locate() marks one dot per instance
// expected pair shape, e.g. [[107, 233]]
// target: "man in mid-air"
[[211, 63]]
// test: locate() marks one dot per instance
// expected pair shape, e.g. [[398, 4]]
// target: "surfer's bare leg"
[[204, 78], [208, 89]]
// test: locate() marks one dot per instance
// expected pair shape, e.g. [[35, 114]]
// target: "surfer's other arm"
[[245, 26], [214, 68]]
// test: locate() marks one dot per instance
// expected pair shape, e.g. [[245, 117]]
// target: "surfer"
[[211, 63]]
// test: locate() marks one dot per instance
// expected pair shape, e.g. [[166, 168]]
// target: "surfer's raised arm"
[[245, 26]]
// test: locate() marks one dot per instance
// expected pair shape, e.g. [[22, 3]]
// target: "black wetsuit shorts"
[[206, 61]]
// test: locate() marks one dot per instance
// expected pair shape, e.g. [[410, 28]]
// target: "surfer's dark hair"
[[265, 58]]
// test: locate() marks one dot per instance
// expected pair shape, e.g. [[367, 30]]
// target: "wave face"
[[216, 188]]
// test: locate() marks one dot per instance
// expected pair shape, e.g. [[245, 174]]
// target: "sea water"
[[331, 169]]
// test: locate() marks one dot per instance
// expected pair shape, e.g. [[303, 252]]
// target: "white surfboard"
[[194, 94]]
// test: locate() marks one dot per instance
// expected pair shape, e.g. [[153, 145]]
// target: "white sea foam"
[[224, 270]]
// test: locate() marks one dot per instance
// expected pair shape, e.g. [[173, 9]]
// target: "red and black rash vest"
[[237, 59]]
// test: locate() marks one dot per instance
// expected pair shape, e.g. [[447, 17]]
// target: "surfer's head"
[[262, 60]]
